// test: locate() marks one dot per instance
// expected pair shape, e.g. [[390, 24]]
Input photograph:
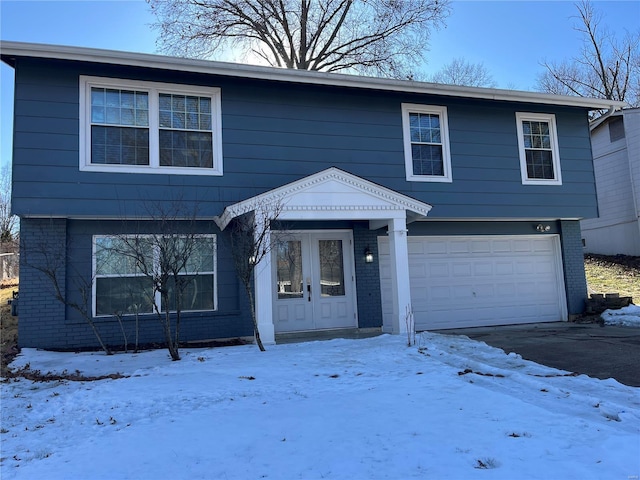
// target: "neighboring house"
[[615, 141], [460, 203]]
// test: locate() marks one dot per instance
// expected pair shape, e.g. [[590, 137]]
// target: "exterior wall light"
[[543, 228], [368, 256]]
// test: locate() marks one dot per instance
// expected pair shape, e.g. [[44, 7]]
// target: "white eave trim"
[[21, 49], [301, 200]]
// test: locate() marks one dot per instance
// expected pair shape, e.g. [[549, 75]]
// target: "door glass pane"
[[289, 269], [331, 268]]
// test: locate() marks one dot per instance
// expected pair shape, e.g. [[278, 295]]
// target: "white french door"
[[313, 275]]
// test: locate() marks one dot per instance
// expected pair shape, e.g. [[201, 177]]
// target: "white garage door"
[[480, 280]]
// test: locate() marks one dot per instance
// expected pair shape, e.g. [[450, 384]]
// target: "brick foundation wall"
[[573, 261], [367, 277], [41, 317]]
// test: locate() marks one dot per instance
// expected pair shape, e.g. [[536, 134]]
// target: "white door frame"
[[311, 271]]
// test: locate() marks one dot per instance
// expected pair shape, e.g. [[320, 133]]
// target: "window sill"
[[425, 178], [111, 168], [541, 182]]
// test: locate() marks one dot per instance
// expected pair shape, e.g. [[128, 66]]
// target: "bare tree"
[[606, 67], [49, 258], [464, 73], [384, 37], [8, 221], [251, 241], [168, 252]]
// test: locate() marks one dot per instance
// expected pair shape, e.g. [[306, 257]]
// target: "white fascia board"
[[20, 49], [303, 201]]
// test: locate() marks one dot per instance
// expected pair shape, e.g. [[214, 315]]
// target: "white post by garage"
[[400, 286]]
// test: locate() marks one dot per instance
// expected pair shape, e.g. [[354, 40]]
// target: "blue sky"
[[511, 37]]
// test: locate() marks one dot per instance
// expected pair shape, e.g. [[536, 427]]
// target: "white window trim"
[[553, 134], [444, 136], [153, 88], [157, 299]]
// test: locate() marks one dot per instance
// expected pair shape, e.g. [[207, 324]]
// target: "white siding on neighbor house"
[[632, 132], [617, 173]]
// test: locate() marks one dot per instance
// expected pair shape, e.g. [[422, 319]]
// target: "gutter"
[[9, 51]]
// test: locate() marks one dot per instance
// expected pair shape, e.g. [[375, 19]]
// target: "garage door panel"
[[481, 246], [437, 247], [438, 270], [485, 291], [526, 289], [522, 246], [417, 270], [542, 246], [501, 246], [439, 294], [459, 246], [503, 268], [544, 267], [472, 281], [545, 290], [416, 248], [507, 289], [481, 269], [461, 270], [462, 292], [526, 267]]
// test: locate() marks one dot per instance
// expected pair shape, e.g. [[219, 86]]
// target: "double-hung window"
[[538, 146], [147, 127], [426, 143], [125, 285]]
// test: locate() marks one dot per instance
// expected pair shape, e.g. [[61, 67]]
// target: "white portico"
[[331, 194]]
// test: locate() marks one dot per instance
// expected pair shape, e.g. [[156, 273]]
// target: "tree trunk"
[[166, 324], [98, 336], [252, 306]]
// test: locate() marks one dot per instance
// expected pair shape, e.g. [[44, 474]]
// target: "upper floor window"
[[426, 143], [616, 129], [538, 145], [145, 127]]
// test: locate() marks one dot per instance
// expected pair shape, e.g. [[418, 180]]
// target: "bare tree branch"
[[8, 221], [251, 241], [49, 258], [606, 67], [384, 37], [164, 250], [461, 72]]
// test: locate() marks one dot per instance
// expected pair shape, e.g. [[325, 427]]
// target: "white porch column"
[[401, 290], [264, 293]]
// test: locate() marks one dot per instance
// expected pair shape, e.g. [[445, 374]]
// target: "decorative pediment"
[[331, 194]]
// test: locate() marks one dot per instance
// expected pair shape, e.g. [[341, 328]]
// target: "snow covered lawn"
[[449, 407], [624, 317]]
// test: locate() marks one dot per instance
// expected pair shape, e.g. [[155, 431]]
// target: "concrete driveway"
[[598, 351]]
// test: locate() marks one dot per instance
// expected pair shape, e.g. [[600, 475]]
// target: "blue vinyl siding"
[[274, 134]]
